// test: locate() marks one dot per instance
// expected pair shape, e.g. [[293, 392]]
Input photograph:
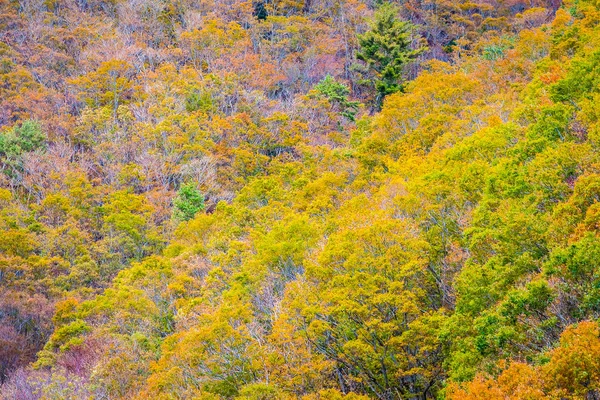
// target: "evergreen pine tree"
[[386, 49]]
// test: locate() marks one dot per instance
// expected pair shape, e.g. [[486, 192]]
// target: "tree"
[[188, 202], [109, 85], [571, 373], [17, 141], [386, 49], [337, 95]]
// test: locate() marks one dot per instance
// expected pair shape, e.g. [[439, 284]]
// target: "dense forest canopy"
[[286, 199]]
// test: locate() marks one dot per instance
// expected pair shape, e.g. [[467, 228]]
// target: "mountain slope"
[[202, 200]]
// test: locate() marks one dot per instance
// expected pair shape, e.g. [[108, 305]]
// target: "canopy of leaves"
[[197, 204], [188, 202]]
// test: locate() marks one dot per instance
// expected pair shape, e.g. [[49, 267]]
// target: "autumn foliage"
[[318, 199]]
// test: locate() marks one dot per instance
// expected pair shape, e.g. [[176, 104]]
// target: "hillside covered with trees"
[[300, 199]]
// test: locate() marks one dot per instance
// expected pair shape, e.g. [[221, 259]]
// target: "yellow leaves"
[[285, 245], [65, 311], [214, 32], [260, 391], [54, 209], [322, 263], [285, 7], [533, 44], [533, 17], [322, 195], [291, 364], [5, 197], [572, 219], [67, 335], [124, 201], [562, 19], [571, 373], [384, 247], [214, 40], [110, 84], [18, 242], [428, 109], [216, 355], [574, 366], [287, 131], [333, 394], [132, 175]]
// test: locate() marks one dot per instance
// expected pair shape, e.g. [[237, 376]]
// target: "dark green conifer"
[[386, 49]]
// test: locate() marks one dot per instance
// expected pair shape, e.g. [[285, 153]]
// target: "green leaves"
[[188, 202], [386, 49], [15, 142], [582, 79], [456, 228], [337, 94]]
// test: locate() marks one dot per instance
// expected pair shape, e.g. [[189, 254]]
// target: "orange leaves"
[[337, 259], [574, 367], [572, 372], [215, 42], [555, 74]]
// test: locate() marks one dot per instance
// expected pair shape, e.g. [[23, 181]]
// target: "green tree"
[[337, 94], [18, 140], [386, 49], [188, 202]]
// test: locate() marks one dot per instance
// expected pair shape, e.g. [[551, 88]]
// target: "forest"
[[300, 199]]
